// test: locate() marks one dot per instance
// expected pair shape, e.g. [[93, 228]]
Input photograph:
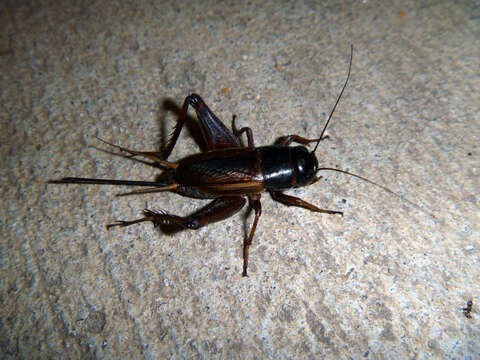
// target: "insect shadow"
[[169, 105]]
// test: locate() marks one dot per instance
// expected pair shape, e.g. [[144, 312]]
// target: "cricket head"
[[305, 165]]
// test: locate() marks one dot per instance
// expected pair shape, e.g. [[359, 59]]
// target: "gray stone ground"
[[385, 281]]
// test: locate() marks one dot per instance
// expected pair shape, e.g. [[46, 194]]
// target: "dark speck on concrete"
[[304, 125]]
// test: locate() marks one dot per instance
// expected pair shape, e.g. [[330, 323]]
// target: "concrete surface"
[[385, 281]]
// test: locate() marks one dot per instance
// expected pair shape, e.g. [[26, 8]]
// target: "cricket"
[[228, 173]]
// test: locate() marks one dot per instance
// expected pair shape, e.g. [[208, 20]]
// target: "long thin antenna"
[[338, 99], [381, 187]]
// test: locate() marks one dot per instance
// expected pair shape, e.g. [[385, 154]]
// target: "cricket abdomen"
[[222, 172]]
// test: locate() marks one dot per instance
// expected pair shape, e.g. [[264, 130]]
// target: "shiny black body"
[[250, 170], [285, 167]]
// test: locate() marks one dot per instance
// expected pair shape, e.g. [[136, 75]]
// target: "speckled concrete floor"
[[385, 281]]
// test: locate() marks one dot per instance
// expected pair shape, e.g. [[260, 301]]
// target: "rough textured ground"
[[385, 281]]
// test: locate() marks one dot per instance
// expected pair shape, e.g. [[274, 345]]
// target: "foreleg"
[[294, 201]]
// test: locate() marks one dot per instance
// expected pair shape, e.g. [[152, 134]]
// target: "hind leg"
[[219, 209]]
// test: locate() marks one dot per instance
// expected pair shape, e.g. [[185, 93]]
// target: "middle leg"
[[238, 132], [287, 140], [257, 207]]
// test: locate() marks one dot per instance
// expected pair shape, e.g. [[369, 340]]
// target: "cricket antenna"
[[338, 99], [403, 198]]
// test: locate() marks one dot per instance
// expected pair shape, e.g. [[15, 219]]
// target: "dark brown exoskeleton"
[[228, 172]]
